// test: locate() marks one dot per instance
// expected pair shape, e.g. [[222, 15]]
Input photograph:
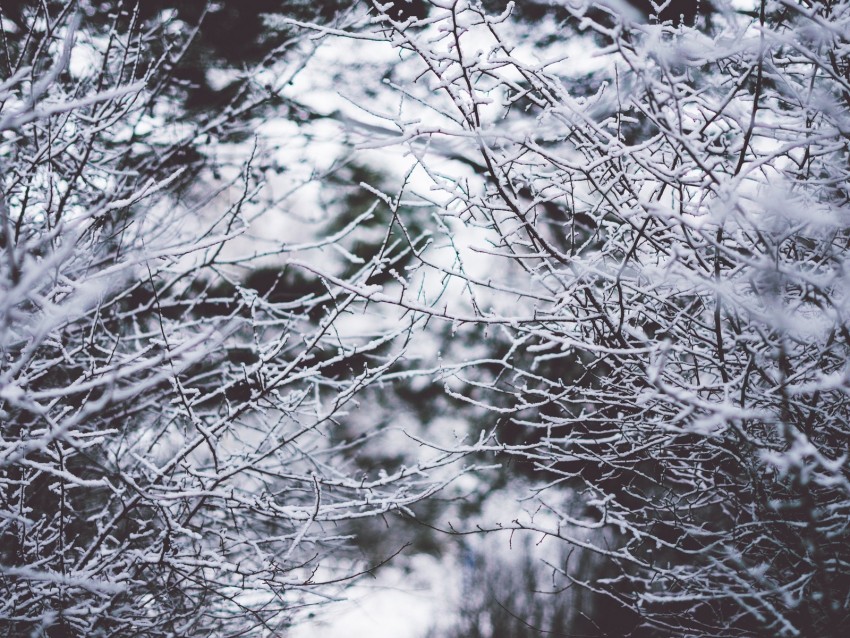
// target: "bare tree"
[[630, 267], [642, 257], [167, 461]]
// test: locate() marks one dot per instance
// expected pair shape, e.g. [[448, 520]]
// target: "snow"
[[396, 603]]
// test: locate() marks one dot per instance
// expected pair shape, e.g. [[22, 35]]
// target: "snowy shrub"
[[165, 400], [648, 217]]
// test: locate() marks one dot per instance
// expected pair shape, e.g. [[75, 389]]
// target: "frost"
[[598, 260]]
